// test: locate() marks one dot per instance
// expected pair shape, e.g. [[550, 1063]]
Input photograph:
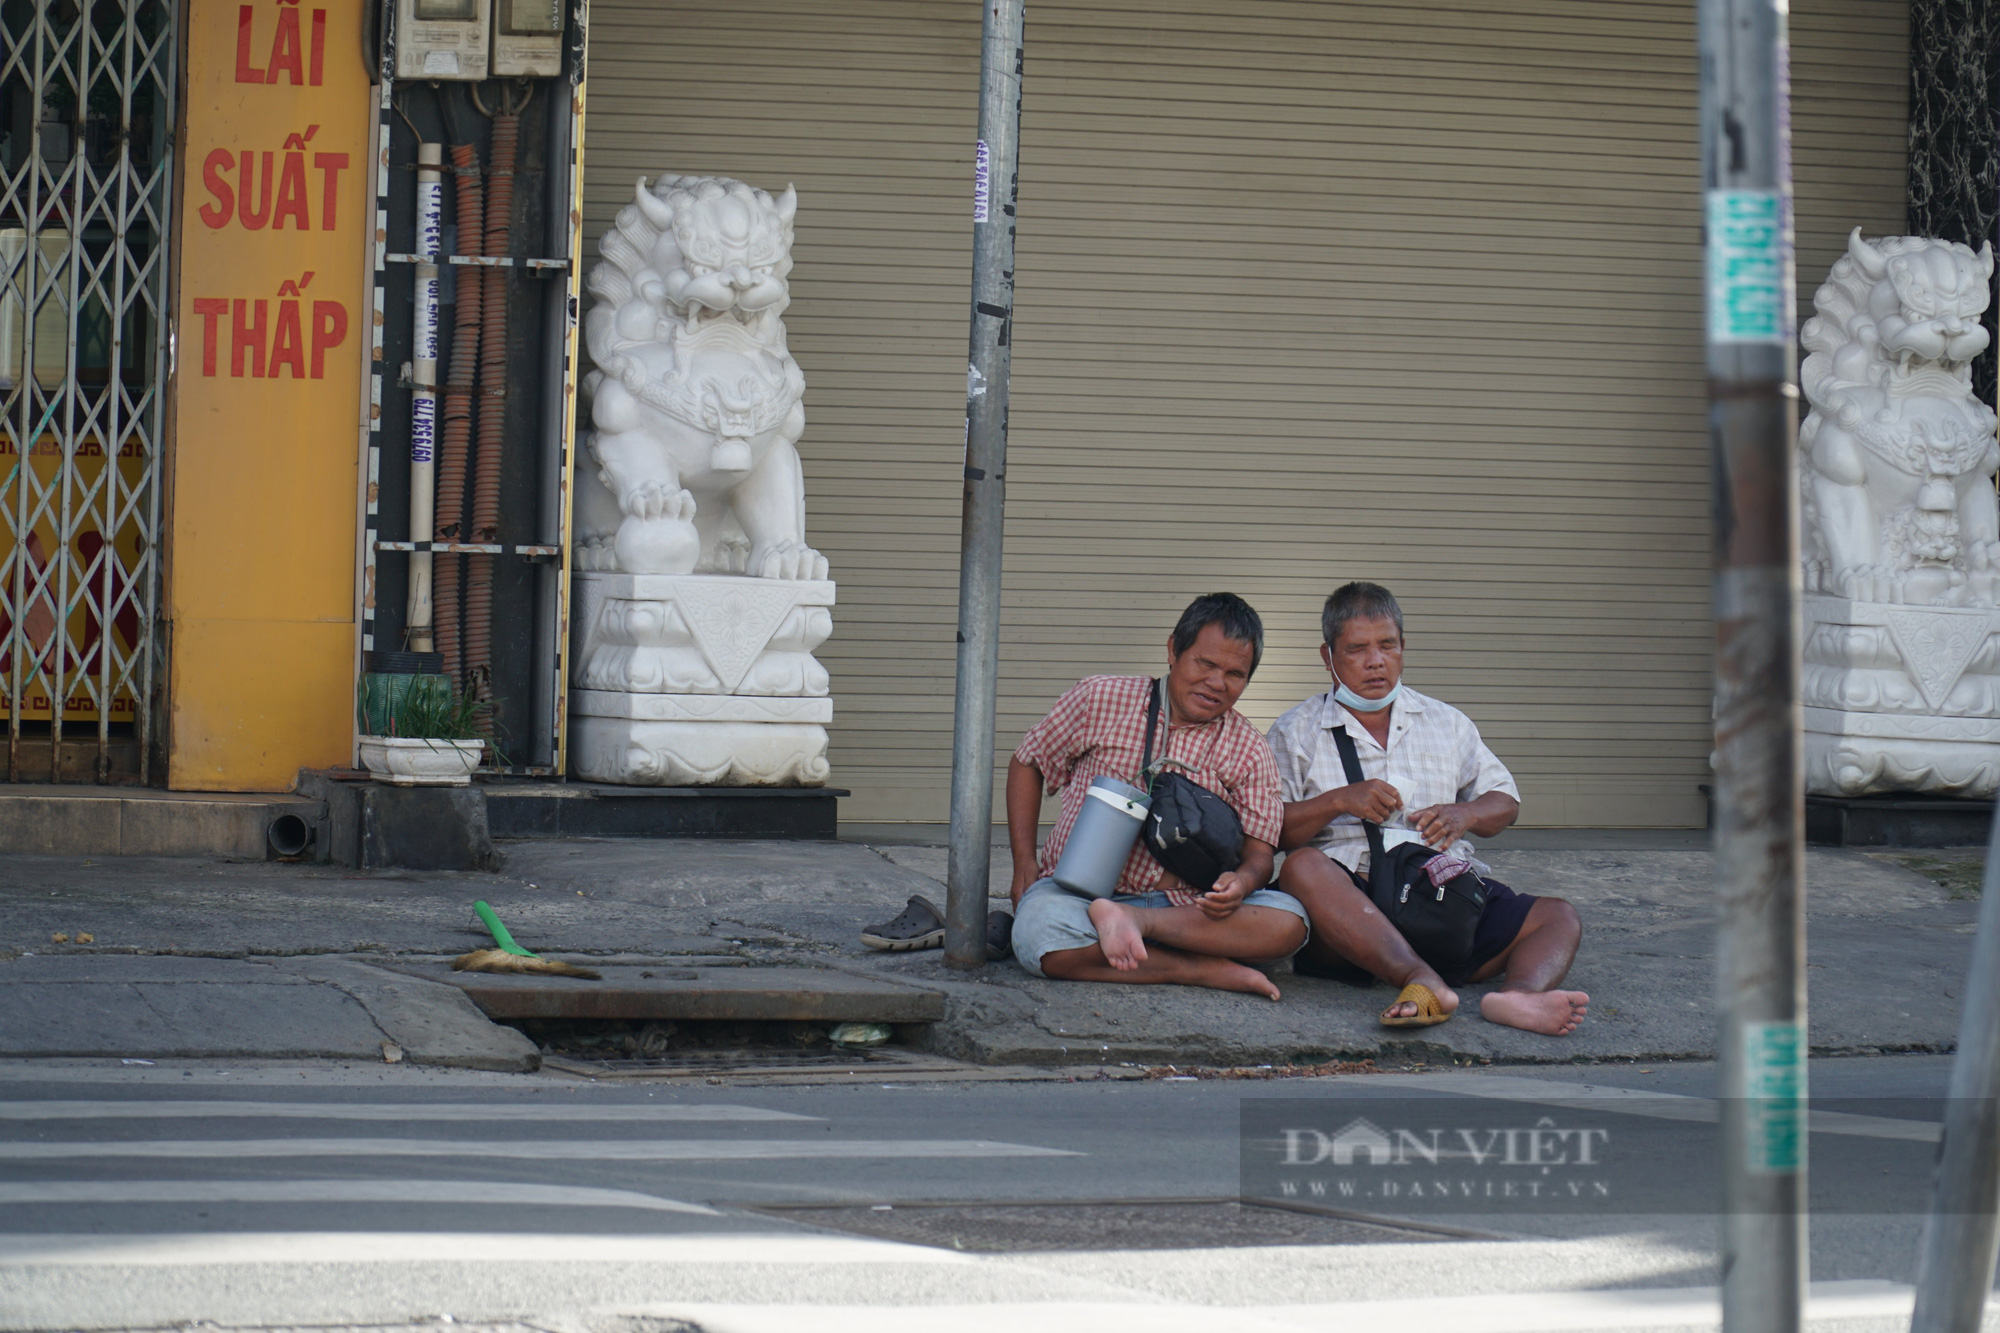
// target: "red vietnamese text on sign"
[[302, 65], [261, 347], [254, 177]]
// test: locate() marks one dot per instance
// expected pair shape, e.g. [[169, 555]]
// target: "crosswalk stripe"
[[406, 1247], [337, 1191], [472, 1111], [1689, 1308], [1643, 1102], [606, 1150]]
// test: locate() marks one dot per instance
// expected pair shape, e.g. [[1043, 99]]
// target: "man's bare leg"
[[1160, 965], [1248, 932], [1535, 964], [1347, 926]]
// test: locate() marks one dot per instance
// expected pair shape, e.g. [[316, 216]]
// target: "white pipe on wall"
[[423, 399]]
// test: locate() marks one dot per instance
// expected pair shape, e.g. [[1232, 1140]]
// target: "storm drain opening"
[[604, 1040], [1108, 1224], [720, 1063], [658, 1048]]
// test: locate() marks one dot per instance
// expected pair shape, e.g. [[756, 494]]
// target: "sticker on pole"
[[1746, 268], [1774, 1092], [423, 428], [982, 182]]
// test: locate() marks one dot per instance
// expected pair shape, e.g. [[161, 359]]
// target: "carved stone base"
[[700, 680], [695, 754], [1901, 699], [701, 634]]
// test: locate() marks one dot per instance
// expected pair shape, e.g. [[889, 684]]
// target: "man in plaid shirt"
[[1154, 928], [1426, 774]]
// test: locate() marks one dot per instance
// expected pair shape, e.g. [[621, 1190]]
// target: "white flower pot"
[[408, 761]]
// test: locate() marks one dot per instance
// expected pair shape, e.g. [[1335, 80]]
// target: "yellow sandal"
[[1429, 1012]]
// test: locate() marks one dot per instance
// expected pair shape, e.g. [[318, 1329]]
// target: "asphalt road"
[[136, 1196]]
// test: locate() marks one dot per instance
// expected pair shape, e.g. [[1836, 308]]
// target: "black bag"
[[1440, 920], [1190, 830]]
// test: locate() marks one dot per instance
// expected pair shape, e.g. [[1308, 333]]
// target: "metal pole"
[[994, 190], [1759, 797], [1962, 1236]]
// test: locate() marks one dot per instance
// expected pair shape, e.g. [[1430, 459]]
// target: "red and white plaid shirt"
[[1098, 729]]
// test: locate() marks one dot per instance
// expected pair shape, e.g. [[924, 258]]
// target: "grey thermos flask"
[[1102, 837]]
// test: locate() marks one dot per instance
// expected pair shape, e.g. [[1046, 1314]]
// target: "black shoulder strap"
[[1378, 859], [1349, 759], [1152, 716]]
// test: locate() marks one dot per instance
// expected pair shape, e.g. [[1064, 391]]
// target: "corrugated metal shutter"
[[1307, 292]]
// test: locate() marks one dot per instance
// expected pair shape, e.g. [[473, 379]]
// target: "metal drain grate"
[[1096, 1224], [747, 1062]]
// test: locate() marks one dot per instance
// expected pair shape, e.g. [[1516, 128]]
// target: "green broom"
[[511, 957]]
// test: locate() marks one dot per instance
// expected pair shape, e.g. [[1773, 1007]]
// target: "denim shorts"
[[1050, 918]]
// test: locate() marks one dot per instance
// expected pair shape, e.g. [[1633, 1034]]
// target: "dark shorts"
[[1506, 912]]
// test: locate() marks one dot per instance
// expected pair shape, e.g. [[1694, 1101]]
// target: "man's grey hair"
[[1357, 601]]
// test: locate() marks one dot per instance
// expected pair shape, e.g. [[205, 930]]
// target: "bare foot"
[[1225, 974], [1256, 983], [1553, 1013], [1446, 996], [1118, 934]]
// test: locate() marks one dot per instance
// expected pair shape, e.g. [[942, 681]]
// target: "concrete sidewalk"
[[250, 958]]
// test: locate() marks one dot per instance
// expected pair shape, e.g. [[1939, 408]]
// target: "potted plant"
[[430, 737]]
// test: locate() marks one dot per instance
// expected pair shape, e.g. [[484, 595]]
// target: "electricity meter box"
[[443, 39], [527, 38]]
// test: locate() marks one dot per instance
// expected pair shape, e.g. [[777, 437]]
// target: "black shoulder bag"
[[1189, 829], [1438, 920]]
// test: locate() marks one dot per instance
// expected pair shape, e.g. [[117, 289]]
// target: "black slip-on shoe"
[[919, 926], [999, 935]]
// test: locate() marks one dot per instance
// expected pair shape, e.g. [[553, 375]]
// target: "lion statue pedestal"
[[1901, 529], [697, 602], [700, 679]]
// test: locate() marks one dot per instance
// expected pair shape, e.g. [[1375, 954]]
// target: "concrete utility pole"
[[994, 190], [1962, 1236], [1759, 789]]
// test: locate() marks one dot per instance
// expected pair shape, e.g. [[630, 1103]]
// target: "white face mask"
[[1349, 699]]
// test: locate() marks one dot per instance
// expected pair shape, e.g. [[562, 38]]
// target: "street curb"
[[433, 1022]]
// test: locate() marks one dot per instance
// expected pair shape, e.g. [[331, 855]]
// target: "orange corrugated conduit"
[[455, 427], [492, 399]]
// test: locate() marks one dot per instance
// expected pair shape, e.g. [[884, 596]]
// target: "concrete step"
[[376, 825], [64, 820], [597, 810], [663, 990], [1897, 821]]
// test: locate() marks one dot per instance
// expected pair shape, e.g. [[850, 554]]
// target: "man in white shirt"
[[1426, 774]]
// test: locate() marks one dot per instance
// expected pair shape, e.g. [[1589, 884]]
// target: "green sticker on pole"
[[1774, 1095], [1746, 267]]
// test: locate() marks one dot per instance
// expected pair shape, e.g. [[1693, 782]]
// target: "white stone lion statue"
[[1897, 456], [695, 400]]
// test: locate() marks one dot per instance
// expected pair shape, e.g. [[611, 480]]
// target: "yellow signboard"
[[270, 334]]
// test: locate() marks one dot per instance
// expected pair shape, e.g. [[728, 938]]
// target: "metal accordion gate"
[[86, 133]]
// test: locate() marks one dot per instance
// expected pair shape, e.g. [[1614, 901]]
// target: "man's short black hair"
[[1228, 613], [1357, 601]]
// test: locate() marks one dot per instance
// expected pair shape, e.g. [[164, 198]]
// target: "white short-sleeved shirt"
[[1434, 757]]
